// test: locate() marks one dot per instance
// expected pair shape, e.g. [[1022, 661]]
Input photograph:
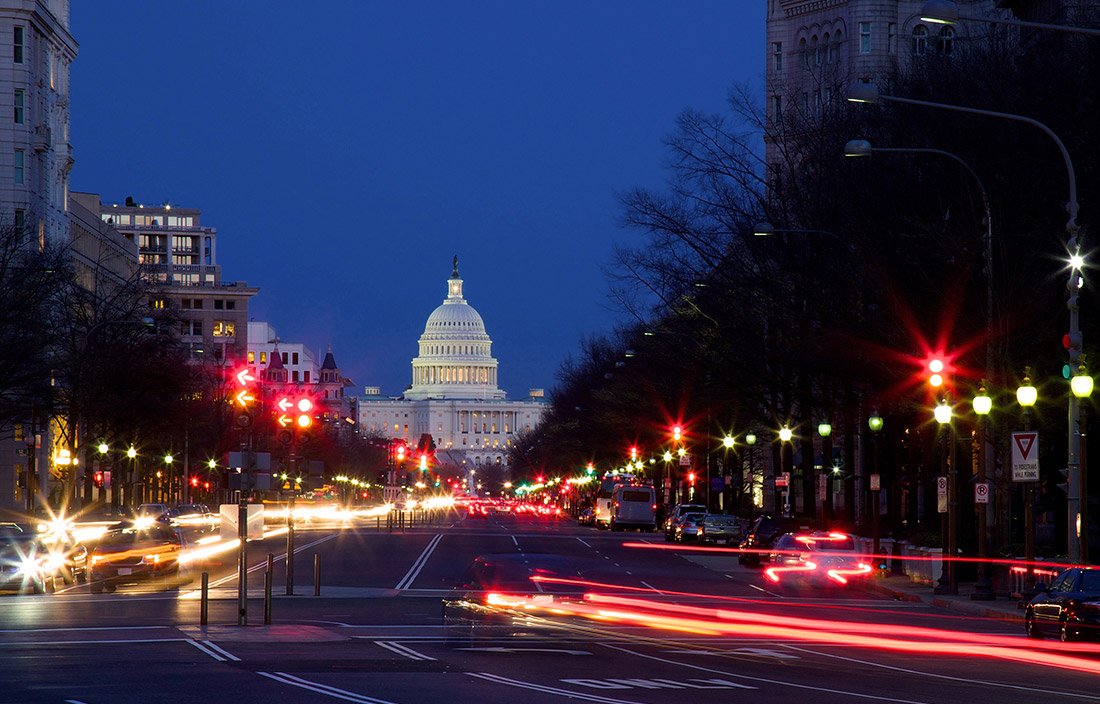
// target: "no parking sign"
[[981, 493]]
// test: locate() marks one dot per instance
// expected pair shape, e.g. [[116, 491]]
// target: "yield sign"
[[1025, 457]]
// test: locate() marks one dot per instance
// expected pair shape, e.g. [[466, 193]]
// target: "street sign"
[[390, 494], [876, 482], [981, 493], [685, 460], [782, 479], [1025, 457], [20, 452], [941, 494]]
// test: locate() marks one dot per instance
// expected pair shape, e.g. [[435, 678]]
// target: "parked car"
[[1068, 608], [24, 563], [758, 541], [687, 527], [135, 554], [719, 529], [677, 512], [816, 559]]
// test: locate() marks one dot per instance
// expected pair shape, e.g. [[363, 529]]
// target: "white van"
[[634, 506]]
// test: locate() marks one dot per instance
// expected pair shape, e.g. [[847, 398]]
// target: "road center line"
[[407, 580], [584, 543], [587, 696], [647, 584], [322, 688]]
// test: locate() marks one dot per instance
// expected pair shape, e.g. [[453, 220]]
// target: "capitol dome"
[[455, 359]]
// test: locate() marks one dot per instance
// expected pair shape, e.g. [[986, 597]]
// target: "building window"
[[251, 357], [219, 304], [305, 377], [777, 118], [17, 173], [156, 303], [18, 55], [224, 328], [295, 358], [284, 356], [802, 53], [892, 37], [263, 358], [947, 41], [828, 50], [231, 305], [294, 376], [19, 107], [865, 37], [20, 225], [777, 54], [816, 50], [920, 40]]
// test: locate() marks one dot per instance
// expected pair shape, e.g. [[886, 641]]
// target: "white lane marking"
[[777, 596], [515, 541], [762, 679], [212, 650], [652, 587], [988, 683], [402, 650], [499, 649], [73, 701], [322, 688], [407, 580], [263, 565], [584, 543], [587, 696], [85, 628]]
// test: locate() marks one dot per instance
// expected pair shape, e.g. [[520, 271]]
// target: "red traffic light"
[[194, 481], [98, 478], [677, 431], [400, 452]]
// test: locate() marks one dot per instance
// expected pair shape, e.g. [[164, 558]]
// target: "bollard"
[[377, 524], [267, 594], [204, 600], [317, 574]]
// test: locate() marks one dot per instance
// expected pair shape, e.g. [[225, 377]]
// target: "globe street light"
[[785, 437], [875, 423], [750, 440], [868, 93], [1026, 396], [825, 430], [983, 588]]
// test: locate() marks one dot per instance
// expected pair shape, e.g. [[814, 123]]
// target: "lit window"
[[19, 107], [263, 358], [251, 357], [865, 37], [224, 328], [156, 303]]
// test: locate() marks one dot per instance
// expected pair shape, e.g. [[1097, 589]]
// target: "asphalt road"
[[668, 626]]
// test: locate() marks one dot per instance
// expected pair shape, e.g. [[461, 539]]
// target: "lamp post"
[[947, 12], [867, 93], [1026, 396], [168, 459], [875, 424], [983, 588], [825, 430], [948, 582], [1081, 386], [750, 440], [727, 498], [128, 488], [785, 437]]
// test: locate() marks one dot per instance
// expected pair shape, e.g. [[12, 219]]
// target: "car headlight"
[[29, 567], [152, 559]]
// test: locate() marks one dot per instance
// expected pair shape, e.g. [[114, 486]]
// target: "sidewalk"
[[901, 588]]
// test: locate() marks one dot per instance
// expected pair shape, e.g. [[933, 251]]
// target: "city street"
[[376, 633]]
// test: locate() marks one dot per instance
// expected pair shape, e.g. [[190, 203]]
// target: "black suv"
[[763, 532]]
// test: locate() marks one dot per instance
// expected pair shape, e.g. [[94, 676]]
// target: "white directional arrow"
[[243, 377], [284, 403], [528, 650]]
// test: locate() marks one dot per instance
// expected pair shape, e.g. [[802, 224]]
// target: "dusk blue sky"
[[346, 150]]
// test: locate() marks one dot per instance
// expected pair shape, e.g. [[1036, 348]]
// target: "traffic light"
[[633, 453], [295, 418], [194, 480], [1064, 484], [935, 372], [691, 478], [97, 479], [423, 462], [244, 396], [1072, 343], [399, 452], [677, 432]]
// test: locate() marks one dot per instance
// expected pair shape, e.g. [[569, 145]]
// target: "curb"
[[958, 604]]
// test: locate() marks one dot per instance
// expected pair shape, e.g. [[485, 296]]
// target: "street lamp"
[[1081, 386], [947, 12], [825, 430], [948, 581], [785, 437], [868, 93], [875, 424], [1026, 396], [983, 588], [750, 440]]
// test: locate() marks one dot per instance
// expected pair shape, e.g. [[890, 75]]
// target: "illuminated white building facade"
[[454, 397]]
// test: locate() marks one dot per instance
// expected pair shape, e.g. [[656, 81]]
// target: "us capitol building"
[[454, 396]]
